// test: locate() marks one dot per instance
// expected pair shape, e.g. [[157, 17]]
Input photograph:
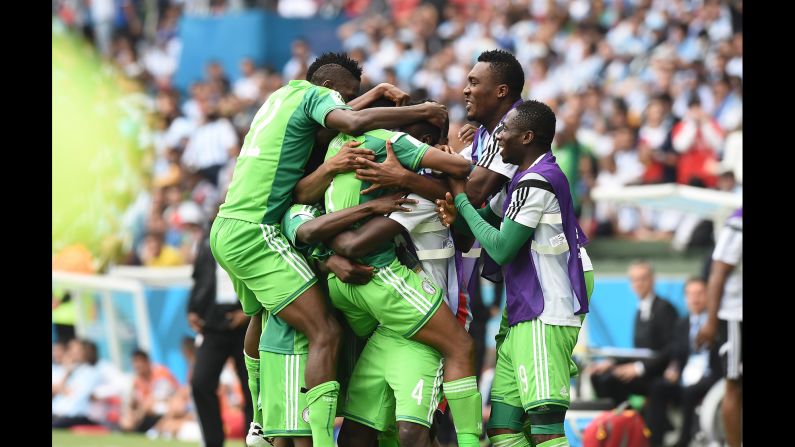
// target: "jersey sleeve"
[[320, 101], [421, 212], [532, 196], [466, 152], [296, 216], [408, 150], [729, 246]]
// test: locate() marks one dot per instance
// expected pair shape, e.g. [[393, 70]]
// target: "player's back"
[[435, 250], [275, 151], [345, 189]]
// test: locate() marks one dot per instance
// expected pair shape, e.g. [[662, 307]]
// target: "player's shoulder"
[[735, 221], [380, 135], [304, 211], [533, 176]]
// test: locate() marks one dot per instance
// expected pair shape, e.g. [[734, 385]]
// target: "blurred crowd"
[[87, 391], [646, 91]]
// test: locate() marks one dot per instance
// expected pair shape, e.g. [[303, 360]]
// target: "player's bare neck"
[[499, 112]]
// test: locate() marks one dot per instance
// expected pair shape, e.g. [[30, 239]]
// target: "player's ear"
[[528, 137], [328, 83], [427, 139]]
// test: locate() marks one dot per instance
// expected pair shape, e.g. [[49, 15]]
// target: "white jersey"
[[729, 249], [435, 250], [538, 208]]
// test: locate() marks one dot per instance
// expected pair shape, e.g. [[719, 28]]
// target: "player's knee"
[[413, 434]]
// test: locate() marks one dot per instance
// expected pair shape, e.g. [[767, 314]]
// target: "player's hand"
[[447, 212], [435, 113], [389, 174], [348, 271], [671, 374], [706, 335], [394, 94], [457, 185], [236, 319], [600, 367], [466, 134], [195, 322], [346, 158], [390, 203], [625, 372]]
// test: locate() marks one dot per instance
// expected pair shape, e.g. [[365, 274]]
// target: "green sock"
[[510, 440], [466, 407], [321, 402], [557, 442], [252, 367]]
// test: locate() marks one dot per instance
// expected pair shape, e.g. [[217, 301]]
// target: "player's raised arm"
[[355, 122]]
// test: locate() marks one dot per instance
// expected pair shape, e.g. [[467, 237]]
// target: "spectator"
[[154, 252], [697, 138], [209, 146], [153, 385], [72, 395], [247, 88], [217, 80], [690, 373], [654, 329], [300, 60]]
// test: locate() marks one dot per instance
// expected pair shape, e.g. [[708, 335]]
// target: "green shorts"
[[589, 282], [266, 271], [534, 365], [394, 379], [398, 298], [283, 403]]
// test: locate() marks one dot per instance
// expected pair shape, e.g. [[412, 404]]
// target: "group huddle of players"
[[352, 234]]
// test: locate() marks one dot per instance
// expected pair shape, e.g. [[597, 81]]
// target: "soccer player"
[[398, 379], [282, 349], [537, 245], [725, 304], [246, 239], [396, 297]]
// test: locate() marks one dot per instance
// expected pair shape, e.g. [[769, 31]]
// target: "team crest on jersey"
[[305, 415], [564, 392], [429, 288]]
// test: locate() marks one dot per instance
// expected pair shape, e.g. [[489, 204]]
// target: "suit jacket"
[[681, 349], [202, 299], [657, 334]]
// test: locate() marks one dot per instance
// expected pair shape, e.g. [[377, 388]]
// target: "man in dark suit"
[[690, 373], [214, 312], [654, 328]]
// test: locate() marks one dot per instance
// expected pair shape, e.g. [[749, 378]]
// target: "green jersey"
[[275, 152], [345, 190]]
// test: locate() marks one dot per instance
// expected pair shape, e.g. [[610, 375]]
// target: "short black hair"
[[507, 70], [140, 353], [327, 64], [537, 117]]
